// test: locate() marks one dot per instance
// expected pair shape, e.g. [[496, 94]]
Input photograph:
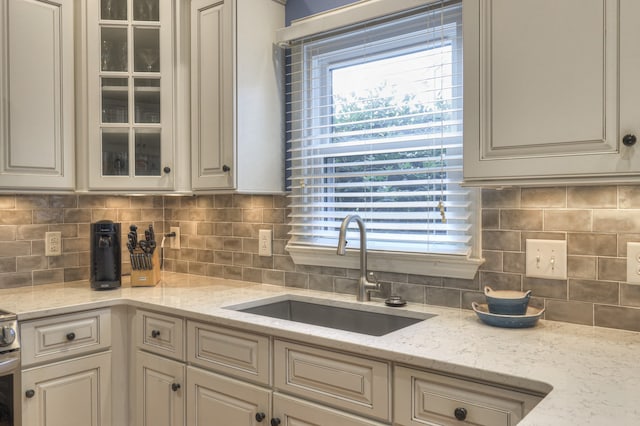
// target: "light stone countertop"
[[593, 374]]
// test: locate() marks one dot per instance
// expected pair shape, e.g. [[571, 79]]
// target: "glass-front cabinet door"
[[130, 94]]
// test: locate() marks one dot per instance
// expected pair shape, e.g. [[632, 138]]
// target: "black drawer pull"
[[460, 413], [71, 336], [30, 393], [155, 333], [175, 387]]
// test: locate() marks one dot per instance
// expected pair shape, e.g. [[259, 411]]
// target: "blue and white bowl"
[[507, 302], [529, 319]]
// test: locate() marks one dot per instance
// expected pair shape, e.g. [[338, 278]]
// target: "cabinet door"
[[70, 393], [542, 92], [130, 100], [37, 95], [159, 391], [228, 401], [212, 106], [296, 412]]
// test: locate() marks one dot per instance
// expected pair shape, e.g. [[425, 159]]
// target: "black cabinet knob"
[[167, 169], [629, 140], [30, 393], [71, 336], [460, 413], [275, 422], [175, 387], [226, 168], [155, 333], [260, 417]]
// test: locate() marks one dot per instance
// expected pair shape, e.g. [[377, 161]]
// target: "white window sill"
[[408, 263]]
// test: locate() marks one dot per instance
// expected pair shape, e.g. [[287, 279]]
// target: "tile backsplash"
[[220, 238]]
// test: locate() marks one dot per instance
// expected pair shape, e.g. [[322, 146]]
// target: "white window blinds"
[[375, 128]]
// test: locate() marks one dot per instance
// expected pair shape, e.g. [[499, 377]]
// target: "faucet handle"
[[372, 278]]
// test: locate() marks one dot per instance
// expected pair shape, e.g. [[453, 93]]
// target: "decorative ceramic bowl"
[[529, 319], [507, 302]]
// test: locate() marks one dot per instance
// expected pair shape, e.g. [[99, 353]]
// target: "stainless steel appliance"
[[9, 370], [105, 255]]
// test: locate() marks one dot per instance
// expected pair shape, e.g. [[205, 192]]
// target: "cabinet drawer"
[[233, 352], [345, 381], [160, 334], [65, 336], [423, 398]]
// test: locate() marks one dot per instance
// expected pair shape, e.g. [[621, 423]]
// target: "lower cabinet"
[[160, 393], [212, 398], [289, 411], [75, 392], [427, 398]]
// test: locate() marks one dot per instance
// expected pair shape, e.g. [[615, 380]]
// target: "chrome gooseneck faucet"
[[365, 287]]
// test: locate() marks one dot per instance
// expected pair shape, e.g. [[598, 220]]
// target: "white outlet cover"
[[264, 242], [633, 263], [546, 259]]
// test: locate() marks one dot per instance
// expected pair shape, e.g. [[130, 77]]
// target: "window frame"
[[456, 266]]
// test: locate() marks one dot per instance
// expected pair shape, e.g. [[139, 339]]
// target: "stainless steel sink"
[[371, 320]]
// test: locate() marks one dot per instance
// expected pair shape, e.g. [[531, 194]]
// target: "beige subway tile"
[[630, 294], [467, 297], [188, 202], [243, 201], [629, 197], [262, 201], [250, 245], [76, 274], [72, 245], [464, 284], [20, 279], [273, 215], [7, 264], [617, 317], [50, 276], [131, 215], [612, 269], [514, 262], [450, 298], [10, 232], [616, 221], [296, 279], [264, 262], [253, 215], [197, 214], [569, 311], [68, 230], [501, 240], [541, 287], [593, 244], [345, 285], [78, 215], [205, 256], [22, 217], [247, 230], [490, 219], [523, 220], [15, 248], [623, 239], [37, 247], [104, 214], [204, 228], [283, 263], [593, 291], [30, 263], [583, 267], [425, 280], [501, 198], [224, 229], [72, 260], [189, 254], [567, 220], [95, 201], [188, 228], [7, 202], [197, 268], [499, 281], [546, 197], [492, 261], [592, 197], [273, 277], [171, 202], [63, 201], [214, 270], [205, 201], [32, 202], [223, 201], [321, 282], [223, 257], [232, 244], [144, 203], [410, 292], [253, 275], [242, 259], [197, 242]]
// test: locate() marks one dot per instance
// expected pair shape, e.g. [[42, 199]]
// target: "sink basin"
[[371, 320]]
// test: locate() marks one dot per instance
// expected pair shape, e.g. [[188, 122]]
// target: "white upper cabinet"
[[128, 107], [549, 91], [236, 96], [37, 95]]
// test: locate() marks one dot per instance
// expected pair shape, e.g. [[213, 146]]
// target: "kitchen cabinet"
[[73, 392], [127, 86], [550, 90], [160, 391], [228, 401], [66, 375], [236, 96], [37, 95], [423, 397]]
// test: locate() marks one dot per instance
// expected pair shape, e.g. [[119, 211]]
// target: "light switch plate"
[[264, 242], [633, 263], [546, 259]]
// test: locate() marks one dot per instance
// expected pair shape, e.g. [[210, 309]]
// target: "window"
[[375, 129]]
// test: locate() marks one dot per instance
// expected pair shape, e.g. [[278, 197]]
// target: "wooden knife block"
[[147, 277]]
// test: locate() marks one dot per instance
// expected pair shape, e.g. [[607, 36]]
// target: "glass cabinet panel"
[[113, 9], [146, 10], [147, 49], [114, 49], [147, 100], [115, 152], [115, 100], [147, 152]]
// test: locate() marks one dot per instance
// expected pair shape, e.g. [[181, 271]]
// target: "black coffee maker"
[[105, 255]]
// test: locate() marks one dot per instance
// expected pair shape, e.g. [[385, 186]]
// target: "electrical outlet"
[[174, 242], [633, 263], [546, 259], [52, 243], [264, 242]]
